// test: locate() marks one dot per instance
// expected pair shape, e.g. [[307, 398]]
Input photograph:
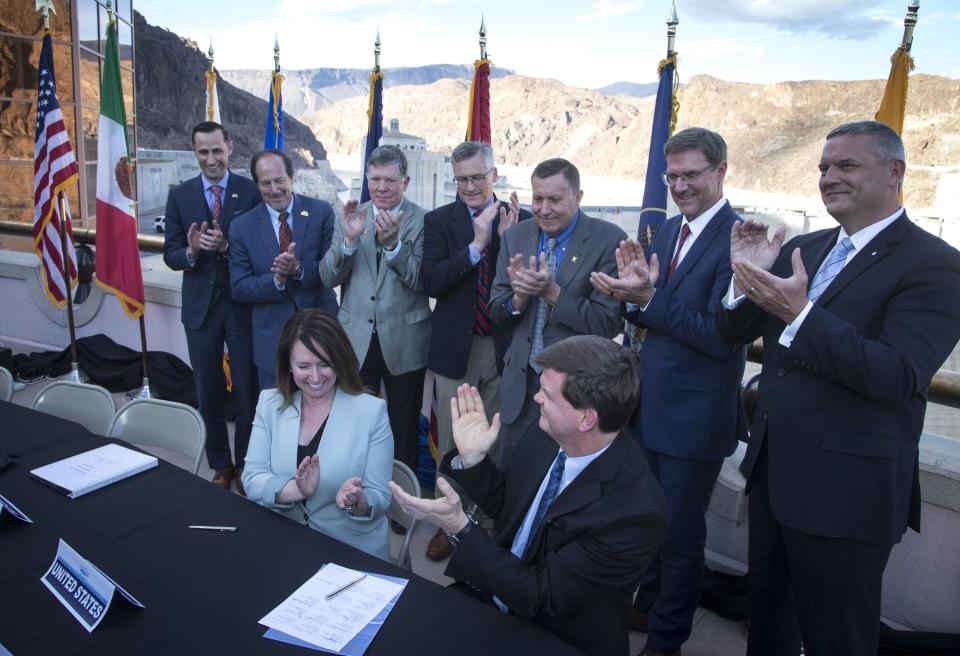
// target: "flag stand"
[[75, 375], [145, 391]]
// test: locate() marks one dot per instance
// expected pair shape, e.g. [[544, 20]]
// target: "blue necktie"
[[831, 267], [553, 489]]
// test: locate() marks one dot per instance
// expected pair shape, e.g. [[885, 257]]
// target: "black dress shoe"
[[397, 527]]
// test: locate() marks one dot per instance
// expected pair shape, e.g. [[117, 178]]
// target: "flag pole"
[[145, 391], [74, 375], [483, 37], [909, 23]]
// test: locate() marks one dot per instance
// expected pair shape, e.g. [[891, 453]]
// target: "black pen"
[[344, 587], [224, 529]]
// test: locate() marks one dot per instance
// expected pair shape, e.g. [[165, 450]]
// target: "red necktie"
[[286, 235], [217, 202], [481, 317], [684, 233]]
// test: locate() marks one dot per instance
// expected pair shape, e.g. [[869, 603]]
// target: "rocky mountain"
[[171, 94], [306, 91], [774, 131], [634, 89]]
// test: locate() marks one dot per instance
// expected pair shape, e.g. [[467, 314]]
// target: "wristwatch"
[[457, 538]]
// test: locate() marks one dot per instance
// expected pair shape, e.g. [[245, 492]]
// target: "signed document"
[[332, 623], [92, 470]]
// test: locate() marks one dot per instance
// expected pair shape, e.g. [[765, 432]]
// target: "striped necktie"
[[830, 268], [481, 316], [549, 496], [217, 206], [543, 307]]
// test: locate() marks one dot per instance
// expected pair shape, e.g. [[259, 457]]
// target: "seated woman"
[[321, 451]]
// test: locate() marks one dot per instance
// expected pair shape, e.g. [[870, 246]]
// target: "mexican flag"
[[118, 257]]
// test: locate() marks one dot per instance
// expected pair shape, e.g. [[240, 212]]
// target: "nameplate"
[[81, 587], [6, 504]]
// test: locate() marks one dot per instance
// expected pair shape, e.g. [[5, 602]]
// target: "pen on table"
[[214, 528], [344, 587]]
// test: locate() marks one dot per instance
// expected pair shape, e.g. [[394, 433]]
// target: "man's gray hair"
[[470, 149], [386, 155], [711, 144], [887, 144]]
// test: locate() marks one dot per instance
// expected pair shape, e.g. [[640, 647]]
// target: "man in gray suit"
[[542, 289], [375, 257]]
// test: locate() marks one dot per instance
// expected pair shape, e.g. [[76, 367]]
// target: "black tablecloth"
[[203, 591]]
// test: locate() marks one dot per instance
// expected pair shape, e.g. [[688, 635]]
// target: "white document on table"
[[332, 623], [91, 470]]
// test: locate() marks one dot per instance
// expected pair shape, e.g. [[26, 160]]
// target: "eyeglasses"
[[688, 177], [464, 180]]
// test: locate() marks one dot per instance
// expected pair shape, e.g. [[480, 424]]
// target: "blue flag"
[[374, 126], [653, 212], [273, 138]]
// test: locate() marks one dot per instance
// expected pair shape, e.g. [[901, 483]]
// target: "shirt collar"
[[699, 223], [863, 237], [275, 215], [565, 235], [222, 182]]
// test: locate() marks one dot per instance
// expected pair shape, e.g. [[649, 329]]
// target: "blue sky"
[[588, 43]]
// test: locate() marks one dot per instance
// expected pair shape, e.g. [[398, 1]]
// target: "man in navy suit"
[[461, 242], [199, 217], [578, 515], [848, 353], [690, 416], [275, 256]]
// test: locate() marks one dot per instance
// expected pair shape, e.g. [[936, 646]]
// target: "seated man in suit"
[[375, 257], [461, 242], [542, 291], [199, 215], [848, 353], [690, 416], [578, 514], [275, 256]]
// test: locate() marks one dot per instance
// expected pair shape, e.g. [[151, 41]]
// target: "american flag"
[[54, 170]]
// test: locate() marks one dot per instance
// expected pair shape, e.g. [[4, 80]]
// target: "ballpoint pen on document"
[[344, 587], [225, 529]]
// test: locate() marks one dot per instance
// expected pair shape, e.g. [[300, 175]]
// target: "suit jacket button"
[[369, 320], [373, 298], [781, 371]]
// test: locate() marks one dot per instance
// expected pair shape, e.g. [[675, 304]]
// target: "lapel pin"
[[573, 259], [234, 196], [304, 213], [874, 253]]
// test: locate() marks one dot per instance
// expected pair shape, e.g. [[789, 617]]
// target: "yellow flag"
[[893, 106]]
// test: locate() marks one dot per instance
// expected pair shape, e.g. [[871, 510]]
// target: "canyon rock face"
[[774, 131]]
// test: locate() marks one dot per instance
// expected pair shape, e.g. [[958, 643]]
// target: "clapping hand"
[[285, 264], [388, 227], [352, 223], [445, 512], [308, 476], [636, 278], [350, 496], [472, 434]]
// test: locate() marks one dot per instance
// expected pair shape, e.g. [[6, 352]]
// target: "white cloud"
[[609, 9], [723, 47], [845, 19]]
